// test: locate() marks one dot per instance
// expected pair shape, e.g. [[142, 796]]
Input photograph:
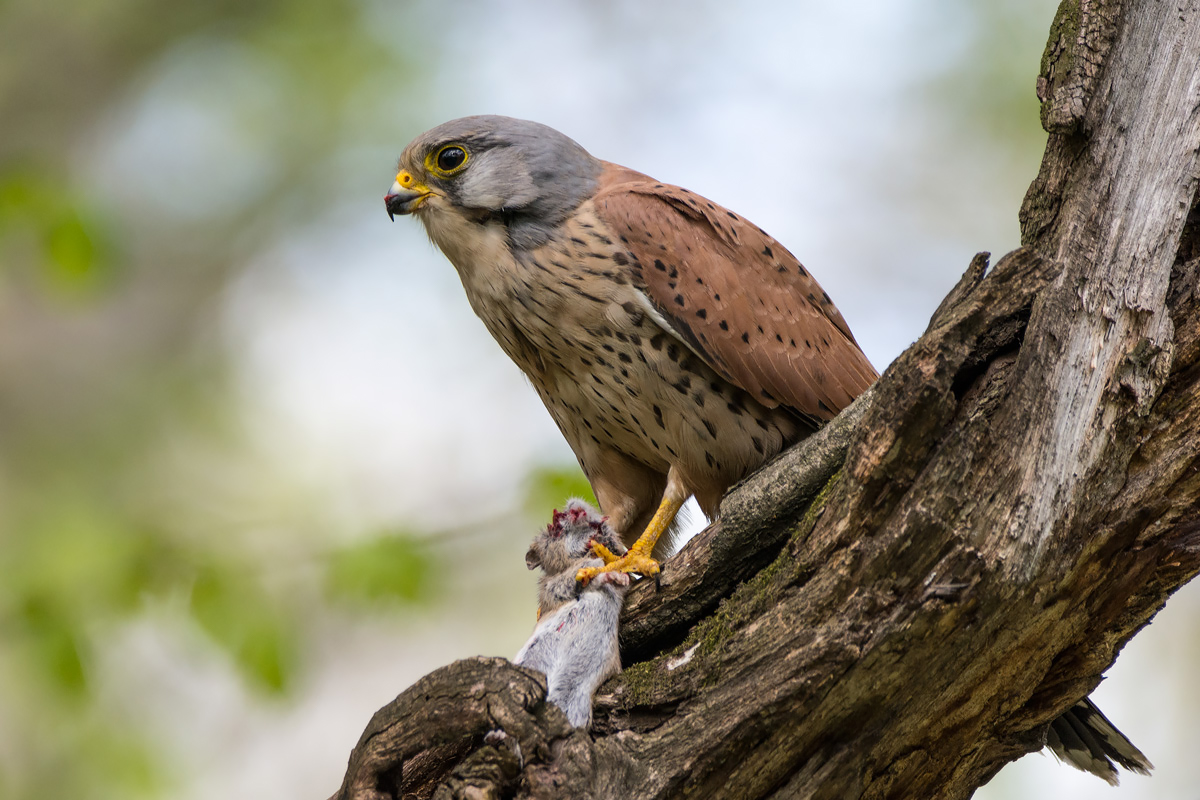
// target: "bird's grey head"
[[494, 169]]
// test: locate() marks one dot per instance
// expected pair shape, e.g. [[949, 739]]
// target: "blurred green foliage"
[[548, 487], [73, 244], [120, 456], [261, 635], [394, 567]]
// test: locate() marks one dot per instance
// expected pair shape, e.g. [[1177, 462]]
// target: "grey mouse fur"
[[575, 641]]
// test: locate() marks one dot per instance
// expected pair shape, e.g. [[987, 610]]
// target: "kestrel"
[[677, 345]]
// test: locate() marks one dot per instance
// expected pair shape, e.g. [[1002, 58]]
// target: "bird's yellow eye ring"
[[449, 159]]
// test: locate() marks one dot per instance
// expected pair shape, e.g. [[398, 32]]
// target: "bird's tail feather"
[[1085, 739]]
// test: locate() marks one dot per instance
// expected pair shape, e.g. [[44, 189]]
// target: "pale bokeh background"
[[260, 467]]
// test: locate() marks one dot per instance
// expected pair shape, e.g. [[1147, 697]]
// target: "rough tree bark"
[[900, 605]]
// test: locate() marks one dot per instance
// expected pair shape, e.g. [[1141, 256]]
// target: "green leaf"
[[396, 568], [239, 615]]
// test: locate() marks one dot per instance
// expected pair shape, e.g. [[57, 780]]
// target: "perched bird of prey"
[[676, 345]]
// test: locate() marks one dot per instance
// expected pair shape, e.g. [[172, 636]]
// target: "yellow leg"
[[638, 559]]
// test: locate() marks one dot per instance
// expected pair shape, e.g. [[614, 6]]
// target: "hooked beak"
[[406, 195]]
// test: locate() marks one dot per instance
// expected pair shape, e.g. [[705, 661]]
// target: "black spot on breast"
[[656, 341], [717, 297], [625, 358], [659, 265], [702, 314], [712, 429], [767, 252], [678, 299], [801, 270], [731, 215], [779, 338], [658, 417], [758, 445], [620, 258], [735, 409], [578, 241], [608, 348], [673, 351], [699, 397], [724, 325], [746, 337], [782, 268], [682, 385], [712, 462]]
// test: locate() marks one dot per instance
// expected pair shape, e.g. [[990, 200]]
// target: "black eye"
[[451, 158]]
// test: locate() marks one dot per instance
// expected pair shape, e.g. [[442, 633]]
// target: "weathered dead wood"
[[908, 599]]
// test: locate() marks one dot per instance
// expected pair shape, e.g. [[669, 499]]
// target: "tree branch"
[[901, 604]]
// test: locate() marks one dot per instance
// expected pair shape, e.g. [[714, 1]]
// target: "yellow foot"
[[632, 561], [603, 553]]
